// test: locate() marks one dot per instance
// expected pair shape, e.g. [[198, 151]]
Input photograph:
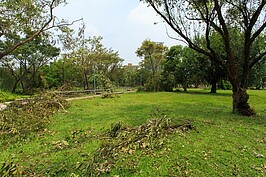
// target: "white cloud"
[[142, 15], [147, 24], [91, 30]]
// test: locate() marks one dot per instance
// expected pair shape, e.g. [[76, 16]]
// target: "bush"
[[6, 96], [226, 85], [141, 89]]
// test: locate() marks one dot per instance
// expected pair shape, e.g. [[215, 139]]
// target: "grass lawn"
[[224, 145]]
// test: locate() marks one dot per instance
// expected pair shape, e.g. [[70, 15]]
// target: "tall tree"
[[25, 62], [93, 59], [181, 64], [169, 67], [153, 55], [212, 71], [191, 19]]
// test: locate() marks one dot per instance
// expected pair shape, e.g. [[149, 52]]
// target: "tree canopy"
[[19, 18]]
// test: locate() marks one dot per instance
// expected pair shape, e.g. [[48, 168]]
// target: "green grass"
[[226, 144]]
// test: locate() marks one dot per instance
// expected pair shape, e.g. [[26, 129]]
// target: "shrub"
[[141, 89], [226, 85], [6, 96]]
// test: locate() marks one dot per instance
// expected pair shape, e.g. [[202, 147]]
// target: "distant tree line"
[[38, 65], [165, 69]]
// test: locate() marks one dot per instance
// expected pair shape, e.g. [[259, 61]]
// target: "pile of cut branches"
[[121, 140], [27, 116]]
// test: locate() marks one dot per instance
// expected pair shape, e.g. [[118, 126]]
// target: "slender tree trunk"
[[214, 86], [15, 85], [185, 87], [85, 81]]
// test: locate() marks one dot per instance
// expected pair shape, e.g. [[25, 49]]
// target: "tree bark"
[[185, 87], [214, 87], [15, 85], [240, 102]]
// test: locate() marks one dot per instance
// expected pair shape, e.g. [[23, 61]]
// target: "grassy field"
[[220, 143]]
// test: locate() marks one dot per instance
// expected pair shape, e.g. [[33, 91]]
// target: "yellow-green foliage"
[[6, 96]]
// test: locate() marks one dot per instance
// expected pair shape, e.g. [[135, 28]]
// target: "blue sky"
[[123, 24]]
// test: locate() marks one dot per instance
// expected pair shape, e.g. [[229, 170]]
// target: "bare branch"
[[181, 40], [257, 59], [258, 32], [256, 15]]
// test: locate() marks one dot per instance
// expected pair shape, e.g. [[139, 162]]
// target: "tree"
[[18, 17], [181, 65], [191, 19], [129, 76], [187, 70], [153, 55], [169, 67], [24, 63], [93, 59], [210, 71], [61, 74], [6, 80]]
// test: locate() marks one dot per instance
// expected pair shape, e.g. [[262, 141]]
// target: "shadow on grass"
[[204, 92], [139, 114]]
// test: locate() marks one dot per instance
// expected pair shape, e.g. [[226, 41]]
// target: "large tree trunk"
[[185, 86], [240, 102], [214, 86]]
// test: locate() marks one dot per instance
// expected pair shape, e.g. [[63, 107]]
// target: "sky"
[[123, 24]]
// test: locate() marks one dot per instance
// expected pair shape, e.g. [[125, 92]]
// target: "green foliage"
[[129, 76], [24, 18], [6, 80], [7, 96], [141, 89], [60, 73], [91, 62], [225, 85], [115, 128], [28, 116], [257, 77], [24, 64], [153, 55], [181, 67]]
